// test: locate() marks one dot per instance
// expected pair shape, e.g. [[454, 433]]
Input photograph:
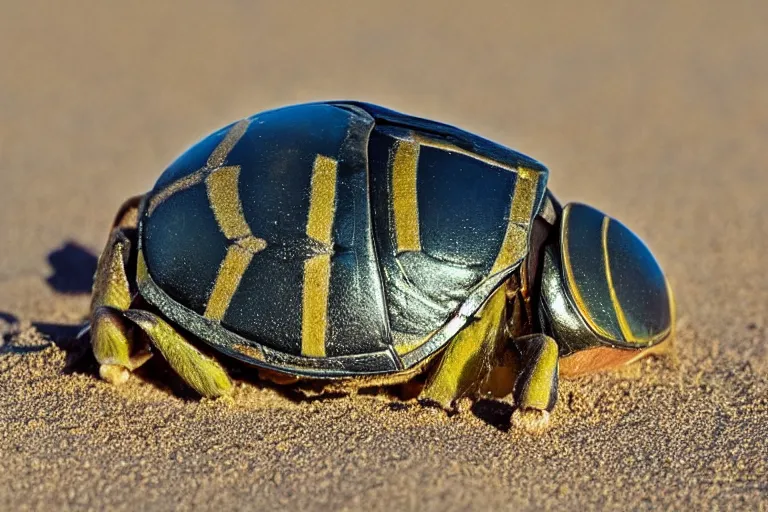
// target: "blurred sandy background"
[[655, 112]]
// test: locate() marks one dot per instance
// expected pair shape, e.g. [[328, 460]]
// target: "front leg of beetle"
[[535, 389]]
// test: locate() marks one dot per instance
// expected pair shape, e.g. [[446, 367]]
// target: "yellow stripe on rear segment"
[[317, 270], [215, 160], [224, 196], [314, 321], [424, 140], [405, 204], [230, 273], [525, 195], [322, 202], [174, 188], [581, 304], [219, 155], [515, 243]]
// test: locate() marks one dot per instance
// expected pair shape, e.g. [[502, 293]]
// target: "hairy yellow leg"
[[112, 345], [203, 373], [535, 389], [468, 359]]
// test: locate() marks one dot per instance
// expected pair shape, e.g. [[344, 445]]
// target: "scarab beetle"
[[344, 241]]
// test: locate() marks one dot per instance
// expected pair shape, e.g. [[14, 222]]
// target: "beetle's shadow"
[[73, 268], [495, 413], [63, 336], [311, 391]]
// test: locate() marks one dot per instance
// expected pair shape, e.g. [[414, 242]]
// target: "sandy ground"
[[657, 115]]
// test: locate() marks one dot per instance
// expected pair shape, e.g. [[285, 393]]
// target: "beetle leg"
[[535, 389], [203, 373], [112, 344], [469, 357]]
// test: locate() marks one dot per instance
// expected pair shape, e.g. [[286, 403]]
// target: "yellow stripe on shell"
[[252, 244], [219, 155], [228, 279], [224, 197], [626, 330], [177, 186], [515, 243], [322, 202], [314, 320], [525, 195], [405, 204], [215, 160], [571, 279], [317, 270], [423, 140]]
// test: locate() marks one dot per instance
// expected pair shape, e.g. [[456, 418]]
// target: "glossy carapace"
[[342, 240]]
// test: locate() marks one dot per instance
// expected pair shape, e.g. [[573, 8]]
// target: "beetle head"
[[601, 286]]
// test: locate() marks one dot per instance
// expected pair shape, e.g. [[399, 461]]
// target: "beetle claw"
[[113, 373], [534, 421]]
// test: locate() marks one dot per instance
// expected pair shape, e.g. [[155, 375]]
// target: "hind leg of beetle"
[[202, 373], [468, 359], [113, 345], [535, 390]]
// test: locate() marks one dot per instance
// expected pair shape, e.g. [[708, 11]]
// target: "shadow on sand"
[[73, 268]]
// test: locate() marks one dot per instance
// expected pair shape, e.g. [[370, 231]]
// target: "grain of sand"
[[657, 112]]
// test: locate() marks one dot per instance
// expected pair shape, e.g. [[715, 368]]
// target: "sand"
[[657, 114]]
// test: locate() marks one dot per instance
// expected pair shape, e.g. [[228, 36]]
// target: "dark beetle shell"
[[334, 239]]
